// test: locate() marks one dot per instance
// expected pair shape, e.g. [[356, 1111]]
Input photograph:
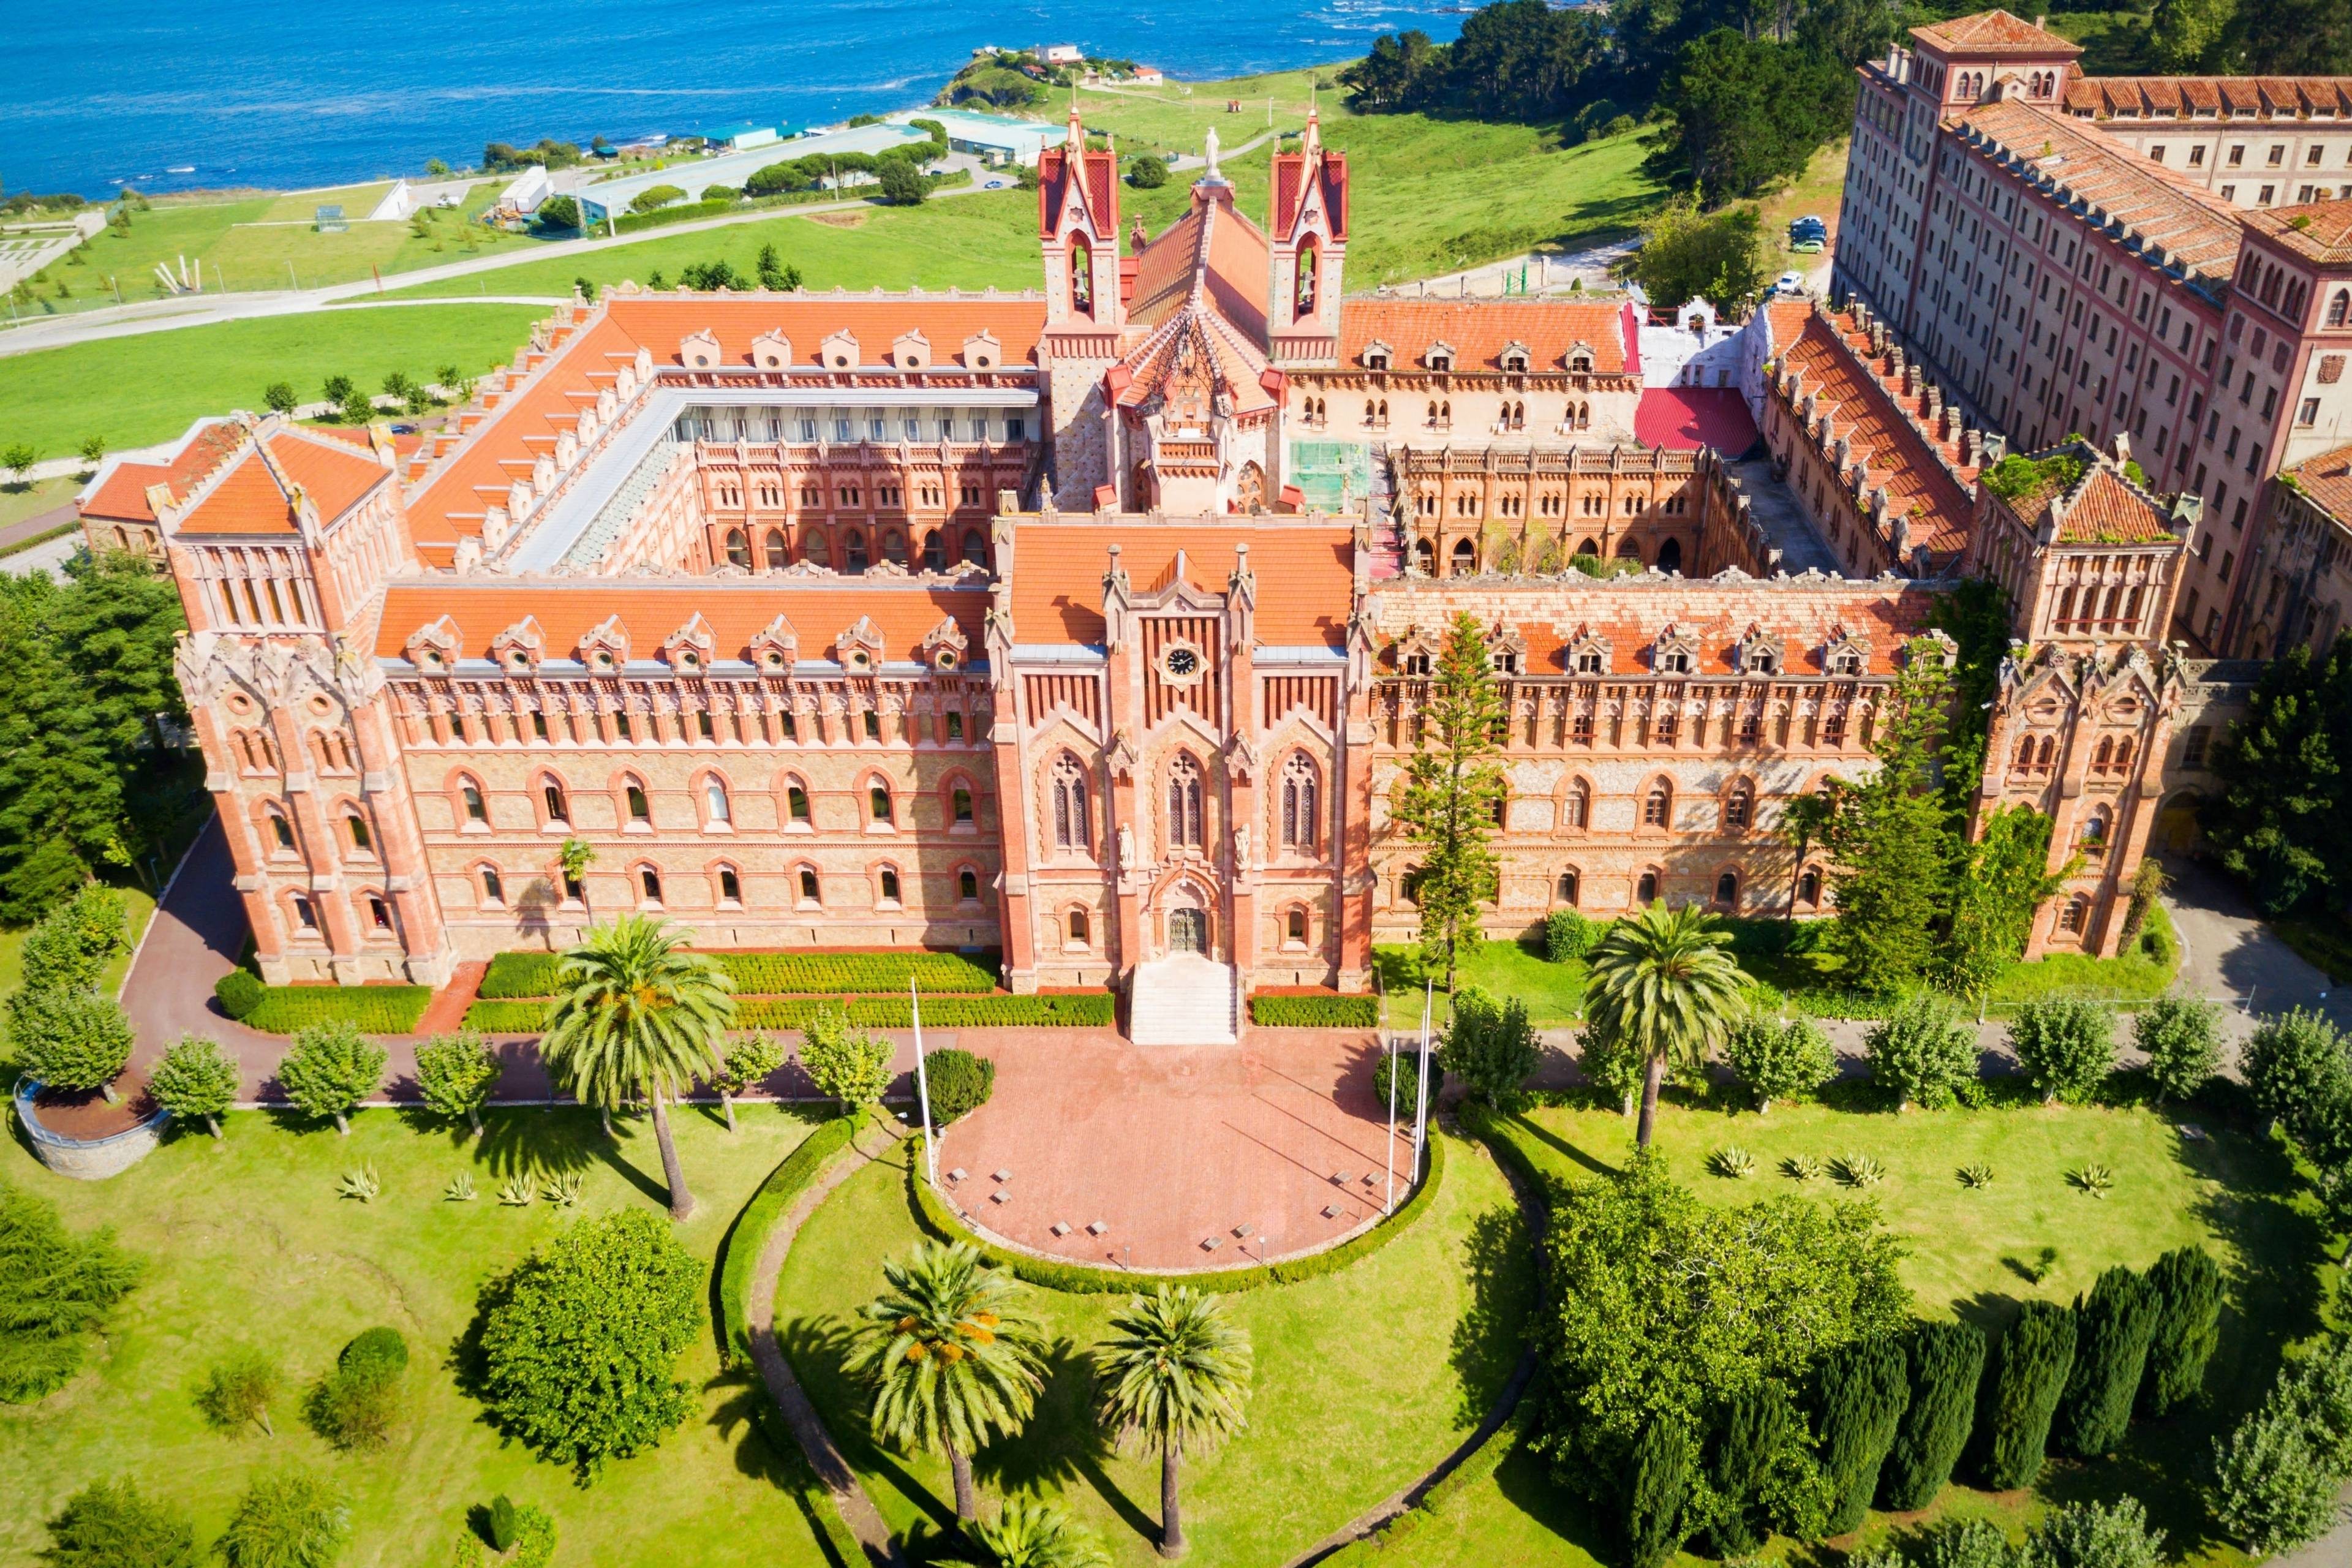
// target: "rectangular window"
[[2192, 746], [2309, 413], [1015, 429]]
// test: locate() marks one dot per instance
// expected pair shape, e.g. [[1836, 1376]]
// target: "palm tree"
[[1030, 1535], [1662, 982], [1173, 1371], [1803, 822], [636, 1015], [953, 1357]]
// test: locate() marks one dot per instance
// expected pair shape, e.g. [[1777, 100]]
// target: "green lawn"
[[247, 1244], [2230, 1190], [29, 498], [1554, 992], [138, 390], [1364, 1378]]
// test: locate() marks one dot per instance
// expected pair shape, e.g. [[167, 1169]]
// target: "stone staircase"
[[1184, 999], [1388, 539]]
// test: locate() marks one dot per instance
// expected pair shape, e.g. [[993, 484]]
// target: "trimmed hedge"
[[1076, 1279], [371, 1009], [1087, 1010], [518, 975], [1316, 1012], [684, 212]]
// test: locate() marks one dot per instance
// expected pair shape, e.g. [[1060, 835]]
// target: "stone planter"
[[86, 1158]]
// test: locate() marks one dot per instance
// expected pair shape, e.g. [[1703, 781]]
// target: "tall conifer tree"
[[1755, 1426], [2030, 1373], [1892, 836], [1454, 791], [2112, 1327], [1861, 1390], [1945, 1362], [2187, 1284]]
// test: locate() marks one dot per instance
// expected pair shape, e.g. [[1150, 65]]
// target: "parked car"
[[1788, 283], [1809, 225], [993, 185]]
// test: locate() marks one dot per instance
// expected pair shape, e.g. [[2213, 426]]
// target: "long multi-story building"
[[1096, 625]]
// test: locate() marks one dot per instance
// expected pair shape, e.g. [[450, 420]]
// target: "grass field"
[[138, 390], [246, 1242], [1364, 1378]]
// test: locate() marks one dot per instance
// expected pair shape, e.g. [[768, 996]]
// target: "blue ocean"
[[171, 96]]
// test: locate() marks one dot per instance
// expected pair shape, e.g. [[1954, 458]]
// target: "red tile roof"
[[1290, 181], [253, 496], [1305, 574], [123, 496], [2318, 231], [1201, 288], [2097, 505], [2327, 481], [1066, 172], [1480, 330], [1994, 33], [736, 611], [2209, 98], [1689, 418]]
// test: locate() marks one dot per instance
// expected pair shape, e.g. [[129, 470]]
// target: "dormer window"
[[1588, 661], [1377, 356], [1440, 358], [1514, 359], [1674, 661], [1845, 662]]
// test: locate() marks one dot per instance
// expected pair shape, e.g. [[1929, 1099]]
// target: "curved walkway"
[[849, 1494]]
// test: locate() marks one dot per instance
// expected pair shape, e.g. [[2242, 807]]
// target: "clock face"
[[1181, 662]]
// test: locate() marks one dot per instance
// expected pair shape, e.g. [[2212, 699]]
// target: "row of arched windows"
[[776, 552], [714, 802], [725, 885], [1298, 820]]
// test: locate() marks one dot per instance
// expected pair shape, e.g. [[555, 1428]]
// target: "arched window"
[[2100, 757], [1726, 890], [2075, 915], [968, 885], [356, 826], [1739, 807], [1465, 558], [305, 915], [1576, 807], [2339, 308], [1809, 886], [1670, 555], [889, 884], [714, 800], [1082, 276], [2123, 754], [975, 547], [877, 801], [960, 803], [1073, 826], [1658, 805], [649, 883], [1645, 889], [552, 792], [633, 791], [469, 797], [738, 549], [813, 547], [1294, 925], [281, 830], [935, 552], [1184, 801], [1081, 931], [730, 886], [852, 552], [779, 556], [494, 891], [808, 885], [1569, 885], [1298, 802], [2094, 839], [796, 802]]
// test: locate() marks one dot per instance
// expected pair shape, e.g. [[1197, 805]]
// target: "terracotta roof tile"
[[1305, 574], [2327, 481], [2108, 511], [123, 496], [2318, 231], [250, 499], [1994, 33], [2190, 97], [1480, 330]]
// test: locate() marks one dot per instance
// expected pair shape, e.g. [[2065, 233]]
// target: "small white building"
[[523, 196], [1149, 76], [1061, 55], [397, 204]]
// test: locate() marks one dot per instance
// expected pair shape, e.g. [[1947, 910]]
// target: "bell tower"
[[1086, 287], [1309, 244]]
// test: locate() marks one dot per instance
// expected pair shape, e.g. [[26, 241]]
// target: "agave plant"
[[2094, 1179], [517, 1193], [362, 1184], [563, 1191], [1857, 1170], [1976, 1175], [1732, 1162], [1800, 1168], [461, 1189]]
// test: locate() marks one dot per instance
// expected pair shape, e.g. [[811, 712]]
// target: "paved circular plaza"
[[1175, 1157]]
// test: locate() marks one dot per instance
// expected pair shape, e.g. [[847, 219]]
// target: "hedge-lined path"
[[1170, 1146], [857, 1509]]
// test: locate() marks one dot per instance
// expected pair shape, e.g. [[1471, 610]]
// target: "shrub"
[[107, 1524], [1922, 1052], [70, 947], [2030, 1375], [844, 1064], [654, 196], [194, 1078], [1944, 1361], [1776, 1059], [1757, 1428], [1316, 1012], [2181, 1037], [1490, 1047], [902, 184], [524, 1536], [514, 974], [521, 974], [1407, 1073], [961, 1083], [239, 992], [2297, 1069], [580, 1344], [55, 1289], [1611, 1066], [373, 1009], [1147, 173], [556, 212], [1569, 936], [2319, 1389], [354, 1406], [518, 1018], [2187, 1285], [329, 1070], [70, 1039], [750, 1233], [292, 1519], [2095, 1535], [1732, 1162], [1965, 1543], [748, 1060], [2067, 1047], [456, 1074], [1656, 1485], [2112, 1326], [2270, 1490], [1861, 1391], [241, 1387]]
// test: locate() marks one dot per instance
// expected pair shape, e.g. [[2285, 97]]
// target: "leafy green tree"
[[1892, 836], [2269, 1489], [555, 214], [1777, 1058], [1860, 1393], [2318, 1388], [637, 1016], [2187, 1286], [1030, 1534], [2181, 1039], [1173, 1373], [1147, 172], [1944, 1361], [953, 1355], [2095, 1535], [580, 1344], [2298, 1067], [1612, 1064], [2283, 820], [55, 1289], [1658, 1485], [748, 1059], [358, 408], [846, 1064], [1521, 59], [456, 1074], [196, 1078], [17, 460], [2000, 880], [1745, 114], [2113, 1325], [70, 1039], [1759, 1428], [774, 273], [355, 1406], [289, 1519], [2030, 1375], [1403, 70], [93, 450], [2297, 38], [337, 389], [1490, 1046], [279, 397], [903, 184], [1663, 980], [74, 942], [1687, 255], [2067, 1047], [107, 1524], [1964, 1543], [2187, 37], [239, 1389], [1921, 1051], [655, 197], [332, 1068], [1454, 791]]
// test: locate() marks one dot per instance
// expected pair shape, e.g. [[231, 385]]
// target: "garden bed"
[[88, 1115], [1313, 1008], [513, 975], [1002, 1010], [371, 1009]]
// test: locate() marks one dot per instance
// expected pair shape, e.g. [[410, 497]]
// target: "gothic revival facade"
[[1094, 625]]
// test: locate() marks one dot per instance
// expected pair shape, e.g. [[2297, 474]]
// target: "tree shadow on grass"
[[818, 1351], [1553, 1140], [1063, 1444], [1490, 1336], [1527, 1484], [535, 1141]]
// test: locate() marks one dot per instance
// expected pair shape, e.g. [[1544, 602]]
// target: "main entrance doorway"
[[1188, 930]]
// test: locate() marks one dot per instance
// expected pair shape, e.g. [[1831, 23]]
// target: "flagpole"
[[1421, 1088], [923, 1086], [1389, 1149]]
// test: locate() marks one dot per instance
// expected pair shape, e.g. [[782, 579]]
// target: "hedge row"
[[758, 1217], [1051, 1274], [373, 1009], [684, 212], [515, 974], [1087, 1010], [1316, 1012]]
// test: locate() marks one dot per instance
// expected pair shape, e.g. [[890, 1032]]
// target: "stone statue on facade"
[[1126, 848]]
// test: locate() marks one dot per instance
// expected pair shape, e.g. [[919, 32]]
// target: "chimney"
[[1969, 441]]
